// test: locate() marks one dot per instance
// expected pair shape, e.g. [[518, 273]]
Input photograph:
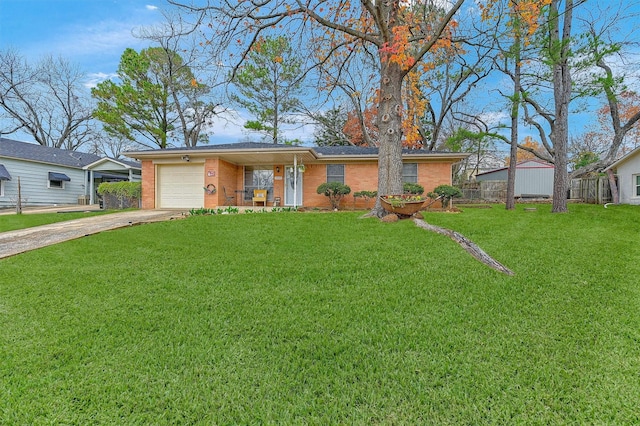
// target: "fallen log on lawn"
[[466, 244]]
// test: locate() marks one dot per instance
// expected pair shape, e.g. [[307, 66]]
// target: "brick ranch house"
[[222, 175]]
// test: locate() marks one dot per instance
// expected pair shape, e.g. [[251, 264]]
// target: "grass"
[[327, 319], [12, 222]]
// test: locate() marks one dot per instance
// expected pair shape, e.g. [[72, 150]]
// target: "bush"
[[412, 188], [335, 191], [120, 194], [446, 192]]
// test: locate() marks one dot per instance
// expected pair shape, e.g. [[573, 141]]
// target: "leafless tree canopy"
[[46, 101]]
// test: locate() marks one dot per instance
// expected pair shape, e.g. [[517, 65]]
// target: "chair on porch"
[[229, 200], [260, 196]]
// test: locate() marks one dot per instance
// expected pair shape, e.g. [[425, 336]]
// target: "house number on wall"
[[211, 173]]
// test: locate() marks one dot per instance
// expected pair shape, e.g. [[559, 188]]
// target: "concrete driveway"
[[20, 241]]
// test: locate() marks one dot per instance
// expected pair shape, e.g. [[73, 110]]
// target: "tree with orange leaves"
[[397, 33], [360, 127], [522, 21], [526, 151]]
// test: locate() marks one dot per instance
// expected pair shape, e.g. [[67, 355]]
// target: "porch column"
[[91, 188], [295, 180]]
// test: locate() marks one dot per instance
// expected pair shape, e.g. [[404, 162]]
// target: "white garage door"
[[180, 186]]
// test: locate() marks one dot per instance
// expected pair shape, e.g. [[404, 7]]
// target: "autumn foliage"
[[353, 128], [523, 154]]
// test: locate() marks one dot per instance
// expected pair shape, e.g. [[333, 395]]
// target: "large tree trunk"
[[560, 49], [390, 128], [615, 196], [515, 106]]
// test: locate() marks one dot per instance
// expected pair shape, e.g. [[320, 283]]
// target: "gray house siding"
[[32, 163], [537, 181], [532, 178], [34, 184]]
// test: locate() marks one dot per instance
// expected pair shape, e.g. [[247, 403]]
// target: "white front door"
[[292, 181]]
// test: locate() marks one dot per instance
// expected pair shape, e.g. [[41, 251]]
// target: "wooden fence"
[[488, 190], [594, 190]]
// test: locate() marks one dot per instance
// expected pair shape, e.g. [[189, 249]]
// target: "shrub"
[[412, 188], [446, 192], [365, 194], [124, 194], [335, 191]]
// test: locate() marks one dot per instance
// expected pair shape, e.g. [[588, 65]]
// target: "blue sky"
[[91, 33], [94, 33]]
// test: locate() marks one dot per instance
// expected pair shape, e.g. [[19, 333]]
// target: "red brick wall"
[[223, 175], [364, 177], [148, 185], [359, 177]]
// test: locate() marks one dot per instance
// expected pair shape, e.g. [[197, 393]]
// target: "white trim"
[[623, 159], [1, 188]]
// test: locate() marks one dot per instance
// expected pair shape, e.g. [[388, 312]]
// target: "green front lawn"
[[311, 318], [12, 222]]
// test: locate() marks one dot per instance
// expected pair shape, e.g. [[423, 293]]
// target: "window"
[[257, 178], [637, 185], [335, 173], [56, 184], [410, 172], [57, 180]]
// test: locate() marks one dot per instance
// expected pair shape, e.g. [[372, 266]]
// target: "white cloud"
[[151, 7], [102, 38], [493, 118], [93, 79], [228, 127]]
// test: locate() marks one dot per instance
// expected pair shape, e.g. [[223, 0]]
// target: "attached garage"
[[180, 186]]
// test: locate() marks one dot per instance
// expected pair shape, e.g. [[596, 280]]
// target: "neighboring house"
[[222, 175], [534, 178], [627, 169], [50, 176]]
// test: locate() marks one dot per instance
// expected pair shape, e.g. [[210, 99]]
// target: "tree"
[[109, 146], [146, 105], [47, 101], [522, 21], [476, 137], [335, 191], [531, 146], [269, 84], [194, 107], [361, 128], [554, 68], [607, 45], [441, 90], [400, 33], [329, 128]]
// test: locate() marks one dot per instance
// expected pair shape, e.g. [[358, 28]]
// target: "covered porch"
[[280, 174], [108, 170]]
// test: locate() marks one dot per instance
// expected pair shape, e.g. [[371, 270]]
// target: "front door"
[[292, 181]]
